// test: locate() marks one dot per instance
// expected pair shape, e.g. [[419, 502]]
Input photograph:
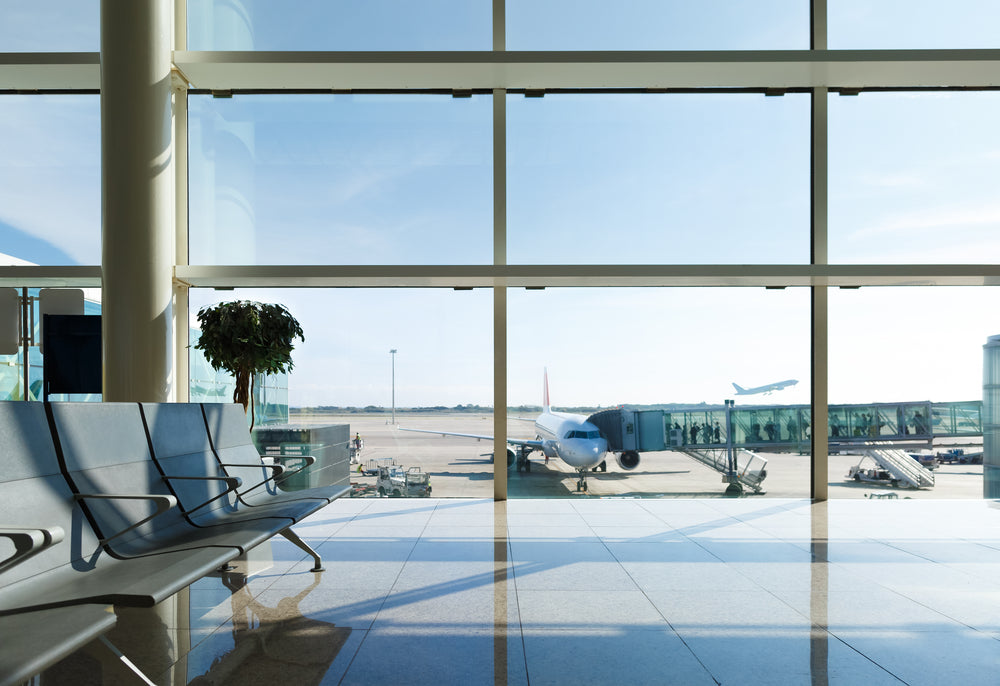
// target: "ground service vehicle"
[[396, 482]]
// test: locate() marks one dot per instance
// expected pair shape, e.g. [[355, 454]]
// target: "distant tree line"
[[481, 409]]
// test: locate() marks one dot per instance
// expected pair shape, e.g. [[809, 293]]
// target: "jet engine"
[[511, 458], [628, 460]]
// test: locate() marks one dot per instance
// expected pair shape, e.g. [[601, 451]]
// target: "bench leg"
[[294, 538]]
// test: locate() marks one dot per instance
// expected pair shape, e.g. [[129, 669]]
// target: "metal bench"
[[183, 452], [105, 504], [57, 578]]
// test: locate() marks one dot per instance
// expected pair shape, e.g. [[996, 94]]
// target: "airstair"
[[899, 464], [751, 468]]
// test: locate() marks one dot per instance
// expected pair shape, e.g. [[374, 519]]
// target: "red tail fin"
[[545, 398]]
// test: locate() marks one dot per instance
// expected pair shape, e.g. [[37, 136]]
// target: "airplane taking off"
[[766, 389], [570, 437]]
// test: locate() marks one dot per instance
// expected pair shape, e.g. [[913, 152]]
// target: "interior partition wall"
[[550, 88]]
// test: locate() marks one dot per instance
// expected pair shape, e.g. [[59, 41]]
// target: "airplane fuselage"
[[766, 389], [572, 439]]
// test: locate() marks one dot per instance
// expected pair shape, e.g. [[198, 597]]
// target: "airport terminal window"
[[50, 179], [51, 26], [656, 25], [917, 24], [652, 369], [341, 179], [440, 379], [656, 178], [915, 387], [913, 178], [345, 25]]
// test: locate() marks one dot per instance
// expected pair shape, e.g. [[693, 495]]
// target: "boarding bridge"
[[788, 428], [635, 431], [903, 468], [729, 438]]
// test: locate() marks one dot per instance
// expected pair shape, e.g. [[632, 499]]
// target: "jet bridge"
[[630, 432]]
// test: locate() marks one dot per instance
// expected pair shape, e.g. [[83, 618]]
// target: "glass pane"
[[347, 179], [912, 24], [50, 25], [657, 25], [913, 178], [12, 377], [916, 391], [343, 25], [439, 379], [655, 387], [648, 179], [50, 179]]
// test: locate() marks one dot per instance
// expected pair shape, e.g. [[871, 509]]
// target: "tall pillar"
[[137, 199]]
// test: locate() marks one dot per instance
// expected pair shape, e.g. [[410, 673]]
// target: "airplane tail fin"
[[739, 389], [545, 393]]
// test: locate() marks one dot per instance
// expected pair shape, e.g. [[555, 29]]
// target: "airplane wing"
[[480, 437]]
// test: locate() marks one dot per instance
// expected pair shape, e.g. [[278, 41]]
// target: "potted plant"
[[248, 338]]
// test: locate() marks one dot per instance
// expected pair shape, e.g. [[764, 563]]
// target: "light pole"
[[393, 353]]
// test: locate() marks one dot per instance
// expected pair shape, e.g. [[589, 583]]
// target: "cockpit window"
[[583, 434]]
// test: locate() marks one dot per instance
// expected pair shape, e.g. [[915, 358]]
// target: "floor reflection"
[[274, 645], [819, 570], [440, 592]]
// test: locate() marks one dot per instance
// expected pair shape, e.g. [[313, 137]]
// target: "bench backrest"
[[34, 494], [105, 450], [230, 435], [181, 447]]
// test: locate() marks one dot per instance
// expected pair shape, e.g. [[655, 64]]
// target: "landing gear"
[[581, 484], [523, 465]]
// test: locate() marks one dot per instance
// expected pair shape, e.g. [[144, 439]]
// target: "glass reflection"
[[656, 25], [394, 406], [50, 180], [341, 179], [653, 371], [903, 422], [344, 25], [917, 24], [912, 179], [51, 26], [658, 179]]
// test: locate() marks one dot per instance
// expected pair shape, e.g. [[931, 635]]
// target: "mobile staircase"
[[902, 468], [751, 468]]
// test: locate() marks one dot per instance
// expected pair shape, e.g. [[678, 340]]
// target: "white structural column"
[[137, 200]]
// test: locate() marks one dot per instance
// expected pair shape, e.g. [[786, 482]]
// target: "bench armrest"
[[163, 504], [28, 542], [279, 470], [232, 483], [309, 461]]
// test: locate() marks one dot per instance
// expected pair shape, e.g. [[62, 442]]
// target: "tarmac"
[[461, 467]]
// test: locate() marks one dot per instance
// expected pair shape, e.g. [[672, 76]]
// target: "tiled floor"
[[581, 591]]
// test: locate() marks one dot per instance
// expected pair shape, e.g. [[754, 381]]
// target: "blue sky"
[[675, 179]]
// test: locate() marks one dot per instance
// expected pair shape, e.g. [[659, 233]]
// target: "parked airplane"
[[570, 437], [766, 389]]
